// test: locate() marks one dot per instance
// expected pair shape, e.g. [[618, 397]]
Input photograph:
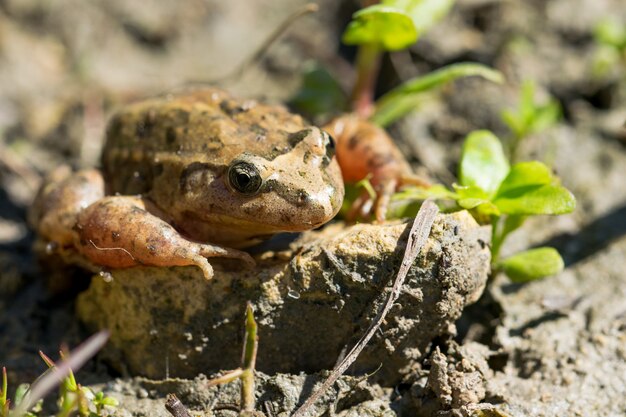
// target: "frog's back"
[[204, 126]]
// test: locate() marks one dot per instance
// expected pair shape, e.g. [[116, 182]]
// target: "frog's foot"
[[119, 232]]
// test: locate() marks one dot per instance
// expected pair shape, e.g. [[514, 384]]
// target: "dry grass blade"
[[54, 376], [417, 238]]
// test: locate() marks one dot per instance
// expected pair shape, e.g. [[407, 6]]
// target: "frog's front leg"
[[120, 232]]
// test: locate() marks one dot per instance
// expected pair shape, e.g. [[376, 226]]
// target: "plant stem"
[[515, 143], [496, 243], [368, 65], [249, 361], [4, 404]]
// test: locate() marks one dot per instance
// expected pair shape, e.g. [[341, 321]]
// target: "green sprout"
[[503, 196], [29, 398], [246, 373], [4, 403], [20, 392], [610, 37], [529, 117], [389, 26], [75, 399]]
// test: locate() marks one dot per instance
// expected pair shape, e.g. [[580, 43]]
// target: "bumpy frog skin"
[[185, 174]]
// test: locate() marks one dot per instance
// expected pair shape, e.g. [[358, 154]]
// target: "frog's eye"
[[330, 145], [244, 178]]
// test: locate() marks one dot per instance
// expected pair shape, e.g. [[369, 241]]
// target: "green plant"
[[610, 37], [529, 117], [246, 373], [76, 399], [389, 26], [20, 392], [4, 402], [503, 196]]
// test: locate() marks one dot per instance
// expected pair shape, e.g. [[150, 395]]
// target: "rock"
[[309, 306]]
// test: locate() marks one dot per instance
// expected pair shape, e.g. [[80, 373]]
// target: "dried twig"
[[417, 238], [175, 407], [241, 69]]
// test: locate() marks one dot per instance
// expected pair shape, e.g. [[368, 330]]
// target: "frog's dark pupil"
[[244, 178]]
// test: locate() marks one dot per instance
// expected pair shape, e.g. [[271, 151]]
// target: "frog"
[[188, 176]]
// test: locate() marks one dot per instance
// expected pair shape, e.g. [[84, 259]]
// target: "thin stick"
[[175, 407], [417, 238], [262, 49], [54, 376]]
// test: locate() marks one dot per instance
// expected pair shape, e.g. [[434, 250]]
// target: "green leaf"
[[388, 27], [319, 94], [20, 392], [531, 116], [398, 107], [407, 202], [437, 191], [546, 115], [515, 123], [530, 188], [537, 199], [110, 401], [605, 59], [483, 163], [611, 32], [404, 98], [532, 264], [477, 201], [424, 13], [524, 174]]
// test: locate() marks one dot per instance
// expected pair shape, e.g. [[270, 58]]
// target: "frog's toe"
[[204, 265], [209, 251], [385, 191]]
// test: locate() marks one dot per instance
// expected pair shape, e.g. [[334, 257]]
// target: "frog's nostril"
[[303, 198]]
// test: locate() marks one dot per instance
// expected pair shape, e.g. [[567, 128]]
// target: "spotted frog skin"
[[189, 176]]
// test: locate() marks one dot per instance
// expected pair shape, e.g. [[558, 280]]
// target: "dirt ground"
[[555, 347]]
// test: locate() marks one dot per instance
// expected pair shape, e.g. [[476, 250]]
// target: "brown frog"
[[189, 176]]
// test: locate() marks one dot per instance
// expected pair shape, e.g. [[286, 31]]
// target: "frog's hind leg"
[[119, 232]]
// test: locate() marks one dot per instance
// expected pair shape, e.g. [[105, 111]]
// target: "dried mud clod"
[[308, 307]]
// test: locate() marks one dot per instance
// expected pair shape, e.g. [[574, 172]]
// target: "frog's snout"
[[321, 207]]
